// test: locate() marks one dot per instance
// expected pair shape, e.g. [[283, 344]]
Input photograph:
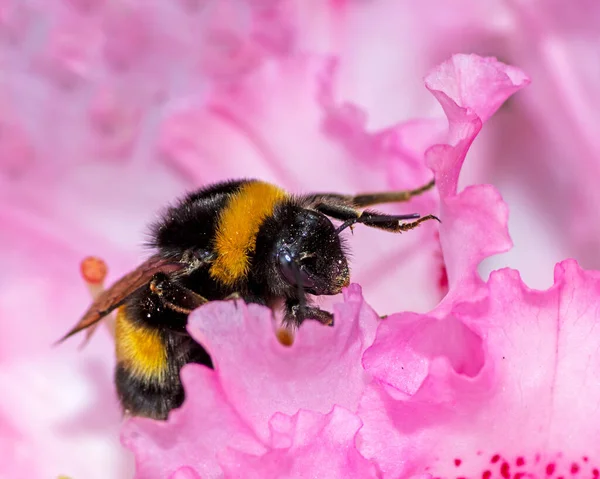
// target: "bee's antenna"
[[372, 219]]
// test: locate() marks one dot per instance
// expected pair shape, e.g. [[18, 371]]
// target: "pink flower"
[[97, 110], [419, 369], [101, 108]]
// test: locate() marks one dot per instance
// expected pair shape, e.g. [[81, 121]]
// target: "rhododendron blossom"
[[111, 109], [478, 387]]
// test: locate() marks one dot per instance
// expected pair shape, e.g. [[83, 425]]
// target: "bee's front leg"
[[295, 314]]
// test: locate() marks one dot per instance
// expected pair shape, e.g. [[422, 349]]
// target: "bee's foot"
[[299, 314]]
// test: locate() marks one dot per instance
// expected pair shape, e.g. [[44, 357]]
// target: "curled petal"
[[407, 343], [474, 223], [474, 83], [470, 89]]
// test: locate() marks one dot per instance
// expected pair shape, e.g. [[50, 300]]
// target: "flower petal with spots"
[[511, 388]]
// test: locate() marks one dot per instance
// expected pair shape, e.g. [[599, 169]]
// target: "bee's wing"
[[116, 295]]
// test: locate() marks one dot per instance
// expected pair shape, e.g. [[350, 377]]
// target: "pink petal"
[[522, 410], [260, 377], [407, 347], [108, 63], [387, 46], [470, 89], [413, 341], [193, 436], [477, 83], [473, 222], [307, 444], [474, 227]]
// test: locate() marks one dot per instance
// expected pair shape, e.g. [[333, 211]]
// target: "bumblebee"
[[247, 239]]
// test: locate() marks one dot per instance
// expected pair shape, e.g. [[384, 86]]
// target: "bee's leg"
[[233, 296], [295, 314], [391, 223], [175, 296], [350, 216], [370, 199], [347, 208], [365, 199], [193, 260]]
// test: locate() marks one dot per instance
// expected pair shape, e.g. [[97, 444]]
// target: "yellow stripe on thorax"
[[140, 348], [238, 226]]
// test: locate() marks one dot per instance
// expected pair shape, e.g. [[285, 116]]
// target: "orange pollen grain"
[[285, 337], [93, 270]]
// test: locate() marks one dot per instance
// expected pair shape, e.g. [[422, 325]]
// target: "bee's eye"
[[294, 274]]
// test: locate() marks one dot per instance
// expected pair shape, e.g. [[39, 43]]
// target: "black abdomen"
[[140, 397], [154, 397]]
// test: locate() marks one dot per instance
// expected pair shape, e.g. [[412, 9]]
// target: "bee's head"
[[305, 251]]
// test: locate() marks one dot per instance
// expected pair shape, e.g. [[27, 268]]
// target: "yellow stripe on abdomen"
[[140, 348], [238, 226]]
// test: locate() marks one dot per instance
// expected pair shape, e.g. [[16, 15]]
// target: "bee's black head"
[[301, 248]]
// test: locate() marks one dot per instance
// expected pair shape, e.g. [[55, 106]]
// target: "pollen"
[[285, 337]]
